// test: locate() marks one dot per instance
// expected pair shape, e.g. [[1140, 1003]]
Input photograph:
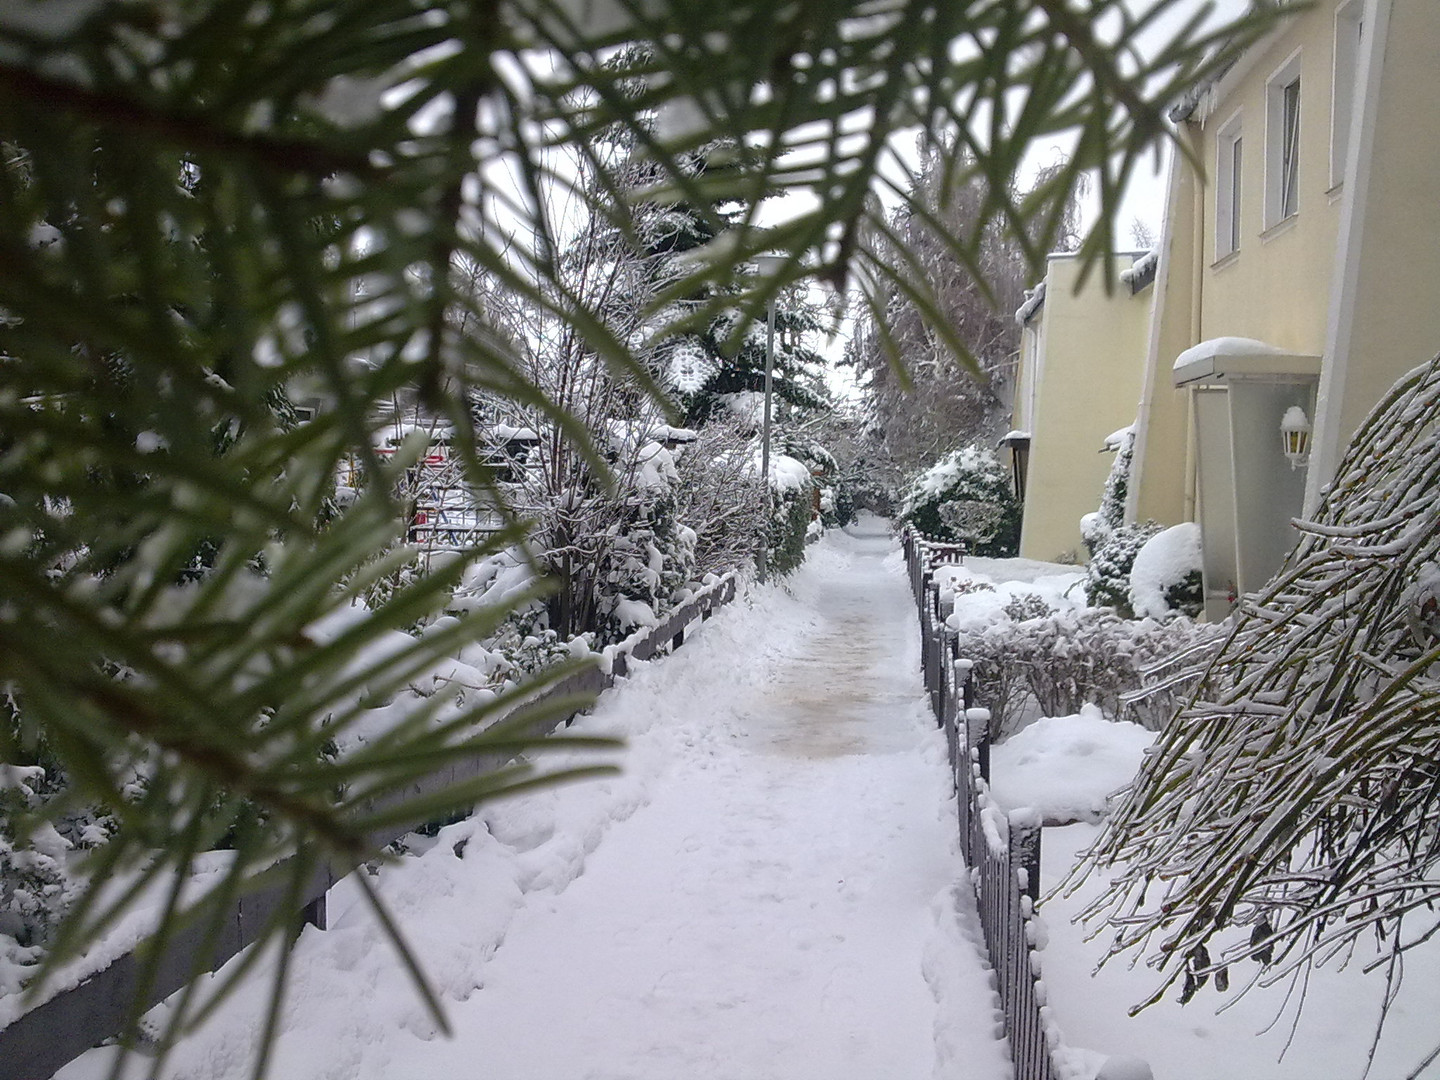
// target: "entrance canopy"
[[1224, 359]]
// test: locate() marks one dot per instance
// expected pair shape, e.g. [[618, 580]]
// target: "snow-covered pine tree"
[[352, 166]]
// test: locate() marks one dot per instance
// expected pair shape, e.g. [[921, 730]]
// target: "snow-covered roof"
[[1218, 358], [1141, 272], [1034, 300]]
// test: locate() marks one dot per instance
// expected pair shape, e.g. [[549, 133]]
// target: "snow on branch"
[[1291, 815]]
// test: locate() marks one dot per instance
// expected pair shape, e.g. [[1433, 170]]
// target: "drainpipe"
[[1197, 299]]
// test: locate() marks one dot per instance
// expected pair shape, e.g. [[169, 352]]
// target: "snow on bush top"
[[1067, 767], [787, 473], [980, 600], [945, 473], [1162, 564]]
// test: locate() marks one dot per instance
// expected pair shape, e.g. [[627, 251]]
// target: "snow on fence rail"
[[60, 1029], [1003, 851]]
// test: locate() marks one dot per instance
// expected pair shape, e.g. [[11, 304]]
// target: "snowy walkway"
[[768, 891]]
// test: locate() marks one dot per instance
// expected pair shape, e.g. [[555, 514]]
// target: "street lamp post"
[[767, 265]]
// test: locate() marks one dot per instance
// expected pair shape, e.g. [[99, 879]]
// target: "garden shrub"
[[788, 525], [965, 497], [1165, 578], [1040, 662], [1107, 578]]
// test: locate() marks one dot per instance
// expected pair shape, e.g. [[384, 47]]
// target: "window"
[[1282, 143], [1228, 156], [1349, 34]]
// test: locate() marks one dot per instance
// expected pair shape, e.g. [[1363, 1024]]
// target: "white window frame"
[[1349, 34], [1282, 142], [1229, 186]]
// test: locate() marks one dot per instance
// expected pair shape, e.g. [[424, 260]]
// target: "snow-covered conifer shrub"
[[965, 497], [1117, 483], [1107, 578], [35, 889], [793, 489], [652, 556], [837, 505], [1165, 577], [1097, 527]]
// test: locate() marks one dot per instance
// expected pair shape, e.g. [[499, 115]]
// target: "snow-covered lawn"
[[771, 889], [1065, 767]]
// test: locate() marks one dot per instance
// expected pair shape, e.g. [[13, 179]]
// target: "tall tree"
[[935, 346]]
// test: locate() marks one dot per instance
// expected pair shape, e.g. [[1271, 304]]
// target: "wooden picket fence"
[[45, 1039], [1002, 851]]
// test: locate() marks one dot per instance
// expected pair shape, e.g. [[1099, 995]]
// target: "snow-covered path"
[[770, 889]]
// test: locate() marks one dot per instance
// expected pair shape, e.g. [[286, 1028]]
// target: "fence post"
[[977, 736], [1025, 851]]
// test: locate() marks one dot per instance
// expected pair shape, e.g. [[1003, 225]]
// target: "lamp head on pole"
[[1295, 436]]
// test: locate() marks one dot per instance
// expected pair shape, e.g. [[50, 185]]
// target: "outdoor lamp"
[[1295, 436]]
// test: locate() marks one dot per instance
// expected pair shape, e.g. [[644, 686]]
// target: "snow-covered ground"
[[771, 888]]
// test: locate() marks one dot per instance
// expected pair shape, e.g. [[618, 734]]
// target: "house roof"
[[1184, 109]]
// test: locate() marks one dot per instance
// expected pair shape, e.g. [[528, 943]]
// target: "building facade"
[[1079, 381], [1297, 274]]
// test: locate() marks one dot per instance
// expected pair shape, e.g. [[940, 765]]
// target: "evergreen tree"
[[356, 159]]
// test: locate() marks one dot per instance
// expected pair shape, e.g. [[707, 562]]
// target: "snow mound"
[[1067, 767]]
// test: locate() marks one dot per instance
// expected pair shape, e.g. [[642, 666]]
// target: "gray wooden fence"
[[62, 1028], [1002, 851]]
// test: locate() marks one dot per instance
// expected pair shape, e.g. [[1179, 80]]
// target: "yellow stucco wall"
[[1391, 317], [1158, 487], [1278, 285], [1089, 387]]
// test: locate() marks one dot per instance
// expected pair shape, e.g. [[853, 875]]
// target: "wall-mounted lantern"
[[1295, 436]]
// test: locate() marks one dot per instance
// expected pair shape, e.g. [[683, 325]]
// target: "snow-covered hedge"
[[966, 496], [1036, 661], [793, 489]]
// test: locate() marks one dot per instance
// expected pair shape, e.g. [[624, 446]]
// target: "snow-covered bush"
[[1107, 578], [1291, 816], [965, 496], [1117, 483], [1165, 577], [1036, 661], [652, 556], [34, 888], [719, 495], [793, 489]]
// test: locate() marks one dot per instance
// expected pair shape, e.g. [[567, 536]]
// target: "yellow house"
[[1079, 381], [1297, 276]]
